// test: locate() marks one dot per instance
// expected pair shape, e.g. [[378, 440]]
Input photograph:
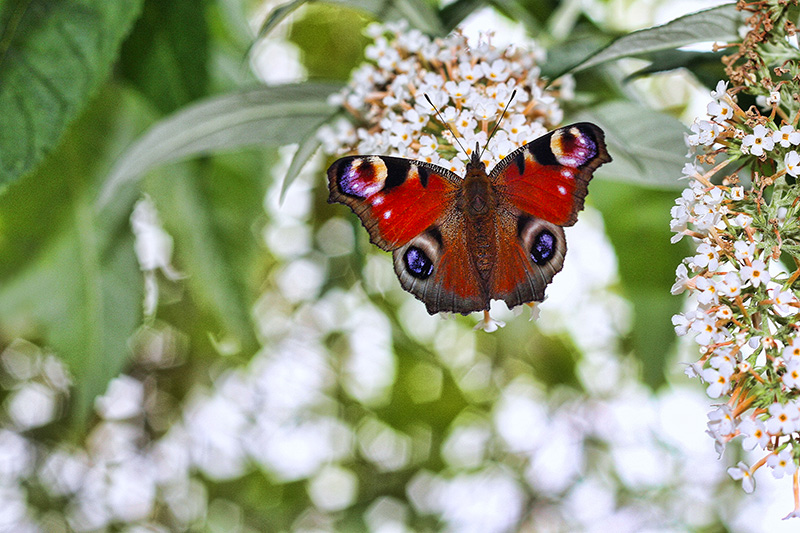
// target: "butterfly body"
[[479, 205], [459, 243]]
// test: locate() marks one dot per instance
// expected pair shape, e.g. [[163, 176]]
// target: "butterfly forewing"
[[395, 198], [548, 178]]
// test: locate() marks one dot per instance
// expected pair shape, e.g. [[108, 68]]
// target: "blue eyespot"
[[418, 263], [543, 248]]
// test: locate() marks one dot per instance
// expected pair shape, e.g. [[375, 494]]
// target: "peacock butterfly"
[[459, 243]]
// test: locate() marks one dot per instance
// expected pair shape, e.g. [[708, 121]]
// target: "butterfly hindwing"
[[435, 267], [530, 253], [548, 178], [395, 198]]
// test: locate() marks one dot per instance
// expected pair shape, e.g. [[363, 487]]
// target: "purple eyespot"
[[577, 148], [543, 248], [360, 177], [418, 263]]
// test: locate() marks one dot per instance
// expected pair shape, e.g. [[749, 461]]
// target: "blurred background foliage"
[[191, 103]]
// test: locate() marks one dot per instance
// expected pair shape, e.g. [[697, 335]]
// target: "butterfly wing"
[[435, 267], [549, 177], [395, 198], [532, 251], [410, 208], [542, 186]]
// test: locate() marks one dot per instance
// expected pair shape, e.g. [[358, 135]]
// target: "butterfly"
[[458, 243]]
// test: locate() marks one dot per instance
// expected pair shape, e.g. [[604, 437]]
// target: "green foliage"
[[177, 41], [637, 222], [102, 101], [332, 41], [715, 24], [418, 12], [265, 115], [647, 153], [70, 279], [172, 39], [53, 58]]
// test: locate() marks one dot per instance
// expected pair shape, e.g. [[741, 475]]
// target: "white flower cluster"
[[40, 385], [470, 85], [313, 420], [277, 417], [743, 310], [758, 140]]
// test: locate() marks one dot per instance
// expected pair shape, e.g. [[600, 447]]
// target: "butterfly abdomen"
[[479, 204], [481, 243]]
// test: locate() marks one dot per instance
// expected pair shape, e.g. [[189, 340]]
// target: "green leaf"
[[305, 150], [418, 13], [583, 40], [647, 146], [666, 60], [331, 40], [172, 39], [265, 116], [53, 57], [707, 67], [528, 17], [455, 12], [637, 222], [68, 279], [208, 208], [716, 24], [278, 15]]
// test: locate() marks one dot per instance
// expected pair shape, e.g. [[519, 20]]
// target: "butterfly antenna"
[[497, 124], [446, 125]]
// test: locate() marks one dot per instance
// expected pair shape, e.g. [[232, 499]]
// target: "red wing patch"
[[396, 199], [548, 178]]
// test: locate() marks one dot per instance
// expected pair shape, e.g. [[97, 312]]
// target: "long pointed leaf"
[[195, 204], [647, 146], [278, 15], [305, 150], [417, 12], [264, 116], [716, 24]]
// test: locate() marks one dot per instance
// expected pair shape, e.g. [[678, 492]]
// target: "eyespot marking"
[[417, 262], [362, 177], [573, 147], [543, 247]]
